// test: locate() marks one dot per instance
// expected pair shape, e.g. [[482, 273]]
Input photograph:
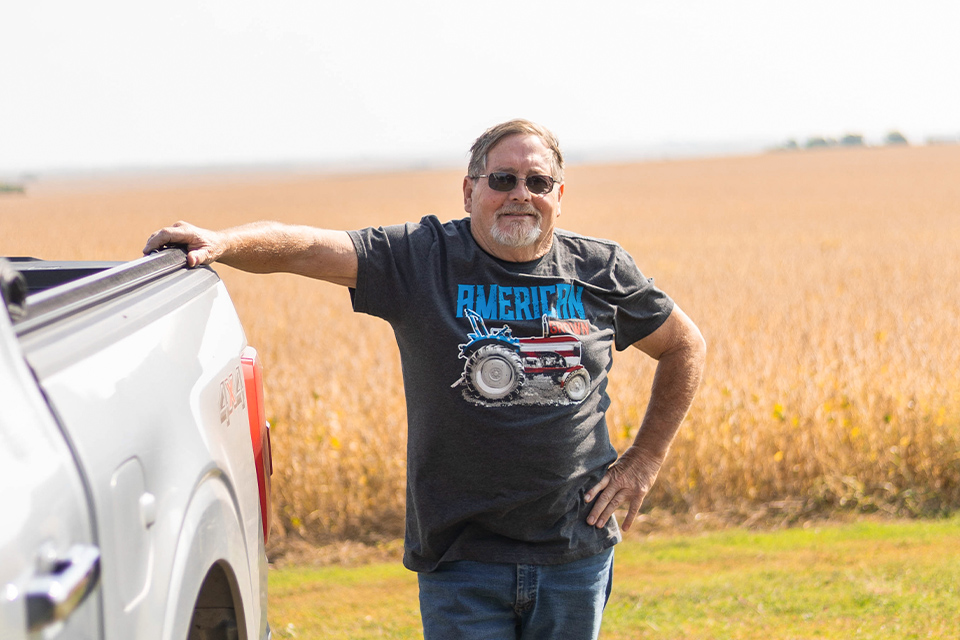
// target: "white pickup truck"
[[134, 455]]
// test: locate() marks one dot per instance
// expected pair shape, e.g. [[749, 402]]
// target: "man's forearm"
[[674, 387], [267, 247], [680, 351]]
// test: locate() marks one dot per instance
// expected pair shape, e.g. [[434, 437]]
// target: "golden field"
[[827, 286]]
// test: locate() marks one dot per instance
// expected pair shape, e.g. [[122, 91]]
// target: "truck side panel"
[[132, 379]]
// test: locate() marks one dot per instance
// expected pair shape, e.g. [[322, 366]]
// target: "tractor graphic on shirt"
[[503, 369]]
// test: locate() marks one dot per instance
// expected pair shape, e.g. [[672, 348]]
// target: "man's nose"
[[520, 192]]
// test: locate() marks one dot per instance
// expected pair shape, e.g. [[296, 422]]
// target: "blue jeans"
[[467, 600]]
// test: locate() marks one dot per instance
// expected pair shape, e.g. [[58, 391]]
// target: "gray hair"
[[482, 146]]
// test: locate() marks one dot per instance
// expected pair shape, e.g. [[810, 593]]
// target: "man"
[[505, 326]]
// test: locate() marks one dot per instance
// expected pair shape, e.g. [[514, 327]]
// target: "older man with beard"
[[506, 327]]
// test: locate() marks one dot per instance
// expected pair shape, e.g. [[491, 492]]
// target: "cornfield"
[[826, 283]]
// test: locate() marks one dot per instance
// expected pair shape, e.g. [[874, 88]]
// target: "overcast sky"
[[118, 83]]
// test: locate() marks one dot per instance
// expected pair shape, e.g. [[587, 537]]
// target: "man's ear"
[[468, 185]]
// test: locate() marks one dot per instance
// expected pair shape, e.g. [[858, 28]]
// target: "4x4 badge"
[[231, 395]]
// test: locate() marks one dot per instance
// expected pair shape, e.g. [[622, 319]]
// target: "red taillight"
[[259, 431]]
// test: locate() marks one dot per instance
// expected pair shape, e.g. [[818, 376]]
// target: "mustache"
[[518, 209]]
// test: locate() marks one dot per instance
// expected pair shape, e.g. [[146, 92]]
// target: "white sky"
[[115, 83]]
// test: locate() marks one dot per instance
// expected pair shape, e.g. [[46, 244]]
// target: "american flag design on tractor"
[[502, 369]]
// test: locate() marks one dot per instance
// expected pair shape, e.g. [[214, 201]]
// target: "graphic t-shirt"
[[505, 373]]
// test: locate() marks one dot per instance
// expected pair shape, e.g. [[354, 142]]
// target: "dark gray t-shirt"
[[505, 372]]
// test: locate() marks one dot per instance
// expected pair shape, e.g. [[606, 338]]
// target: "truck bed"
[[45, 274], [56, 290]]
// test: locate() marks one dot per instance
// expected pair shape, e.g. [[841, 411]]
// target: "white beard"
[[517, 233]]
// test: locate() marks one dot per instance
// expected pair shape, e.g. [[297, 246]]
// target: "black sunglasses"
[[503, 181]]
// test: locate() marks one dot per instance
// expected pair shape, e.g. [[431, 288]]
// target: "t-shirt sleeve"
[[386, 267], [641, 307]]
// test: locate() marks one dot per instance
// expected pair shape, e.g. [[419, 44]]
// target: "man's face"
[[514, 225]]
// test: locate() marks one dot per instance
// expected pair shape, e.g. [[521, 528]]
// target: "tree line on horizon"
[[893, 138]]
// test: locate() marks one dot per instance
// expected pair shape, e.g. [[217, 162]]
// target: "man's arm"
[[680, 350], [267, 247]]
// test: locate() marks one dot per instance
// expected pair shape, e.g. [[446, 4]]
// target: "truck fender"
[[210, 536]]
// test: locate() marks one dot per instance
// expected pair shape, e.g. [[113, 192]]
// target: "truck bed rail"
[[42, 308]]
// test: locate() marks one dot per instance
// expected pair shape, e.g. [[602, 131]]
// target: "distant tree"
[[791, 144], [895, 137], [816, 142], [852, 140], [6, 187]]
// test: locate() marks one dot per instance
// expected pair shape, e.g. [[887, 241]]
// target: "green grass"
[[863, 580]]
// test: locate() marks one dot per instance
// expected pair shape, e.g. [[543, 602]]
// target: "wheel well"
[[215, 614]]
